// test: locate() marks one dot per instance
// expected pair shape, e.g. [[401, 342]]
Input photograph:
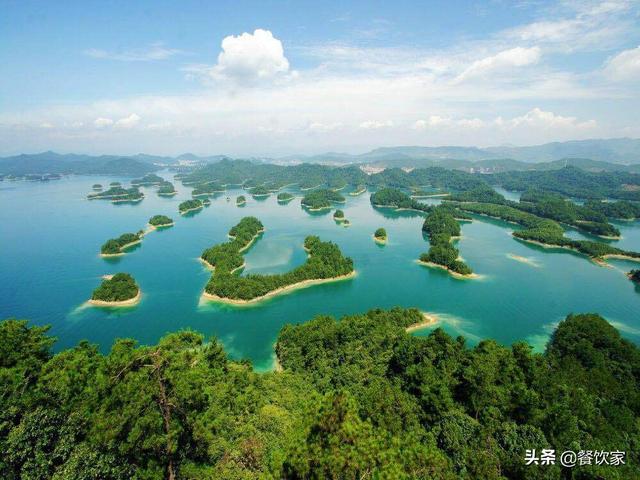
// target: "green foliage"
[[241, 200], [189, 205], [207, 189], [392, 197], [338, 214], [160, 221], [166, 188], [380, 233], [115, 184], [149, 179], [441, 226], [118, 288], [285, 197], [358, 398], [260, 191], [226, 257], [321, 198], [117, 193], [481, 193], [114, 246], [325, 261], [634, 275], [622, 209], [97, 186]]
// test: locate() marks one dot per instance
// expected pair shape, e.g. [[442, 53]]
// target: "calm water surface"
[[51, 236]]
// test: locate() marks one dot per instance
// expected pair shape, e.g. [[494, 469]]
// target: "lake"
[[50, 263]]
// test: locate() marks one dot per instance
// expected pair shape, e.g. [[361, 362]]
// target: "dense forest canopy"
[[285, 197], [338, 214], [166, 188], [149, 179], [114, 246], [392, 197], [117, 193], [227, 257], [380, 233], [358, 398], [321, 198], [189, 205], [241, 200], [634, 275], [118, 288], [260, 191], [160, 220], [442, 227]]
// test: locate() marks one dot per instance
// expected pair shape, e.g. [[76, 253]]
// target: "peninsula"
[[119, 290]]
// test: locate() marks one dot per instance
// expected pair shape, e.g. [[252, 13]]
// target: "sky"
[[275, 78]]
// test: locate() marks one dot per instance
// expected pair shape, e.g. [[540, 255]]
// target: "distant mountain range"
[[620, 154]]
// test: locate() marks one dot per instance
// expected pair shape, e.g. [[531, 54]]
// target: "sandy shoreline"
[[316, 209], [429, 320], [522, 259], [381, 241], [127, 200], [183, 212], [449, 271], [359, 192], [124, 303], [171, 194], [278, 291], [155, 227], [123, 247]]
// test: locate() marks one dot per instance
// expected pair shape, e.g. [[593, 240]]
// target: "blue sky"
[[276, 78]]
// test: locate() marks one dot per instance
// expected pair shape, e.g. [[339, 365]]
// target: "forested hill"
[[50, 162], [358, 398]]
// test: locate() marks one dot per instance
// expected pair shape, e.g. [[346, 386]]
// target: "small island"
[[160, 221], [241, 200], [190, 206], [634, 276], [167, 189], [325, 263], [115, 184], [119, 290], [118, 194], [116, 246], [285, 197], [394, 198], [207, 189], [97, 187], [338, 216], [206, 202], [260, 191], [442, 228], [321, 199], [380, 236], [360, 189], [147, 180]]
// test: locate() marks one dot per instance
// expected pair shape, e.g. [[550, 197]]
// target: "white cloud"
[[324, 127], [432, 121], [102, 122], [375, 124], [249, 57], [153, 52], [506, 59], [543, 119], [128, 122], [470, 123], [625, 65]]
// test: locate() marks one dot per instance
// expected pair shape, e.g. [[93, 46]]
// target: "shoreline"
[[155, 227], [278, 291], [310, 188], [460, 276], [380, 241], [316, 209], [168, 194], [212, 268], [191, 210], [122, 303], [260, 195], [359, 192], [430, 319], [597, 260], [127, 200], [521, 259], [123, 247]]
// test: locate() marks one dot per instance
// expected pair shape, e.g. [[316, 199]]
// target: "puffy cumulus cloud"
[[128, 122], [543, 119], [506, 59], [624, 66], [250, 57], [375, 124], [102, 122]]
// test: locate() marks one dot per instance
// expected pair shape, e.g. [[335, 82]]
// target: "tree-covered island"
[[190, 206], [442, 228], [325, 263], [359, 190], [160, 221], [118, 194], [166, 189], [338, 216], [97, 187], [241, 200], [634, 276], [115, 184], [321, 199], [380, 236], [394, 198], [260, 191], [358, 397], [117, 246], [116, 290], [285, 197], [148, 180], [207, 189]]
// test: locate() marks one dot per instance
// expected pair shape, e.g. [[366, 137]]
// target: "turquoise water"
[[51, 238]]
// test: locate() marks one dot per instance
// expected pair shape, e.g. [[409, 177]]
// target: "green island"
[[148, 180], [260, 191], [321, 199], [325, 263], [160, 221], [241, 200], [207, 189], [118, 194], [166, 189], [338, 216], [622, 209], [394, 198], [285, 197], [634, 276], [206, 202], [359, 190], [545, 232], [356, 397], [380, 236], [115, 184], [189, 206], [97, 187], [117, 246], [117, 290], [442, 228]]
